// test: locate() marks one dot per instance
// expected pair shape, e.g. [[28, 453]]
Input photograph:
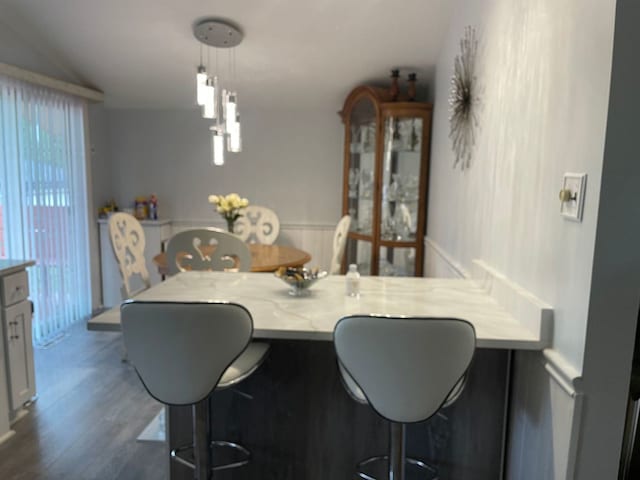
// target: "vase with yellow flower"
[[229, 206]]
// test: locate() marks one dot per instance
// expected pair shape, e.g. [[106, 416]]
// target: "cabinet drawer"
[[15, 288]]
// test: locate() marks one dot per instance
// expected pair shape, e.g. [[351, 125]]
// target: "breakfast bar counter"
[[294, 414], [278, 315]]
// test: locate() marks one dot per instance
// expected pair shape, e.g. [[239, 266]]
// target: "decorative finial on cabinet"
[[411, 89], [394, 89]]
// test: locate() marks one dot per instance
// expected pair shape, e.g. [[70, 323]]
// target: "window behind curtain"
[[43, 200]]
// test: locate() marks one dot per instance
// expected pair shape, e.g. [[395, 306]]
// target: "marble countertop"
[[9, 266], [278, 315]]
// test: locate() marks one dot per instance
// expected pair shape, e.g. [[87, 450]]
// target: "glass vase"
[[230, 222]]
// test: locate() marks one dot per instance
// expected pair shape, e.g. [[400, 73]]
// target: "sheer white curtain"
[[43, 200]]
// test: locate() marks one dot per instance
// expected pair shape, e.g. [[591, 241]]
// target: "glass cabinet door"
[[401, 164], [362, 162]]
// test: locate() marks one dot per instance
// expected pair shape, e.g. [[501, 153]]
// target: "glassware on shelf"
[[366, 182], [368, 138], [395, 188], [364, 218], [354, 179], [355, 146], [388, 225], [403, 222], [411, 184]]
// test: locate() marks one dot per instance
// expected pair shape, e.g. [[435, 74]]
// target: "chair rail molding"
[[437, 260]]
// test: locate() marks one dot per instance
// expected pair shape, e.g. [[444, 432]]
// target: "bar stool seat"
[[182, 352], [407, 369]]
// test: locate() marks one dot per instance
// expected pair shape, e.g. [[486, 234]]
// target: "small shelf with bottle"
[[385, 179]]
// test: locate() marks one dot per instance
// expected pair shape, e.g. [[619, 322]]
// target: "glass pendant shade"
[[217, 143], [234, 139], [230, 110], [209, 108], [201, 83]]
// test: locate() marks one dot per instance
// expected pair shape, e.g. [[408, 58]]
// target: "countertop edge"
[[18, 266]]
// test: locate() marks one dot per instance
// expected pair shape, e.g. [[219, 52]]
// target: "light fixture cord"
[[234, 69]]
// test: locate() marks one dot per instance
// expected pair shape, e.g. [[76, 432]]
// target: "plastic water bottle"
[[352, 279]]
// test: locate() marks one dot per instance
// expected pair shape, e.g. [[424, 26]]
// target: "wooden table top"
[[264, 258]]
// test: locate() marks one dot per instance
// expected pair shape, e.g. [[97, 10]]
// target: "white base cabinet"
[[17, 372], [156, 232]]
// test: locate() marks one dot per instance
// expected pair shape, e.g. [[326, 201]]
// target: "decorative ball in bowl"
[[299, 279]]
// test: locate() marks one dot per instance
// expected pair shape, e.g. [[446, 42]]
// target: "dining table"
[[300, 413], [264, 258]]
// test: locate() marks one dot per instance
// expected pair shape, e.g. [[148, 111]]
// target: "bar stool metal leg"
[[397, 452], [202, 440]]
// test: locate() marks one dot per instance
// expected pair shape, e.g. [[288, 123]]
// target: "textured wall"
[[543, 78]]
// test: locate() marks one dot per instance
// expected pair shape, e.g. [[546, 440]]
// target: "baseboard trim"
[[7, 436]]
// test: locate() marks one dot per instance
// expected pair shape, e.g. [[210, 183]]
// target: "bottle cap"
[[353, 267]]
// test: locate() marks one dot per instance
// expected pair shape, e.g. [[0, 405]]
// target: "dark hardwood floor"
[[90, 409]]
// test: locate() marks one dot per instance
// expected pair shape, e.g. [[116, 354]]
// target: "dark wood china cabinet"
[[386, 152]]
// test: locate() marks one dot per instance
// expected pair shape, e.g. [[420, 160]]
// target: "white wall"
[[543, 77], [291, 162], [23, 48]]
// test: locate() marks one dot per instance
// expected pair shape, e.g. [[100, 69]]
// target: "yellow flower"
[[229, 205]]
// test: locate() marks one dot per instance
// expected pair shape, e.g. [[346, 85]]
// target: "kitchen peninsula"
[[300, 415]]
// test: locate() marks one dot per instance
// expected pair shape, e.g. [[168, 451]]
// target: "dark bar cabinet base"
[[300, 423]]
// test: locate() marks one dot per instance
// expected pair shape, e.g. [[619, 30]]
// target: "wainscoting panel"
[[545, 417]]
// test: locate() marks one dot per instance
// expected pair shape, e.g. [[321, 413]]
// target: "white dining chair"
[[258, 225], [128, 242], [339, 244], [184, 251], [406, 369], [182, 353]]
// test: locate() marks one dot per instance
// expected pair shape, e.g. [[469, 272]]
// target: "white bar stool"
[[406, 368], [182, 352]]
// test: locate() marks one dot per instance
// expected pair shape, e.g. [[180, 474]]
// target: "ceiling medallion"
[[463, 118]]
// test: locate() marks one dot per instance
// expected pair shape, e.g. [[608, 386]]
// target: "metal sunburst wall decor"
[[463, 119]]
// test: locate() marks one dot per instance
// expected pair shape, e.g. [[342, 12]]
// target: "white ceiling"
[[295, 54]]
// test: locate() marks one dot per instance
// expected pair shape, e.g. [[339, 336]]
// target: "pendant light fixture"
[[218, 98]]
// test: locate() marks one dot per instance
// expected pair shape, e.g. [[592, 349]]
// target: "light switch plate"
[[576, 183]]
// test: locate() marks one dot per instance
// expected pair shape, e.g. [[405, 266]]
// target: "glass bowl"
[[299, 279]]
